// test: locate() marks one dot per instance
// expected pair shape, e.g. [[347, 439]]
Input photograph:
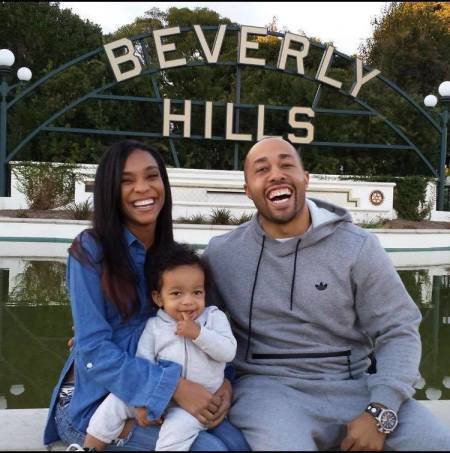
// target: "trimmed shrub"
[[44, 185]]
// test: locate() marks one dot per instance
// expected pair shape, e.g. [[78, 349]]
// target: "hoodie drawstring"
[[249, 335], [293, 274]]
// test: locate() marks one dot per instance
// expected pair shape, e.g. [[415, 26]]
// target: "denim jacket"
[[105, 345]]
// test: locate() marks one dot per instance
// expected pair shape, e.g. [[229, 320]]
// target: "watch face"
[[388, 420]]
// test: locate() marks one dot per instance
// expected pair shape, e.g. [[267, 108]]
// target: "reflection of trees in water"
[[432, 295], [418, 284], [41, 283], [35, 323]]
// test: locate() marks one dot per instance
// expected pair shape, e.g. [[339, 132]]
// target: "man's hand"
[[196, 400], [363, 435], [188, 328], [142, 418], [225, 392]]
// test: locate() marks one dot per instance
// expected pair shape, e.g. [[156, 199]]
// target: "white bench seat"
[[21, 429]]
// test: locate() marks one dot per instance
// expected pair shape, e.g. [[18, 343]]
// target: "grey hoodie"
[[315, 306]]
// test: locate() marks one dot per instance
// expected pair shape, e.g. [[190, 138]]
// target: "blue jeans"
[[223, 438]]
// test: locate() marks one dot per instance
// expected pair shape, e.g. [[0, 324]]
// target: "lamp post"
[[431, 101], [24, 75]]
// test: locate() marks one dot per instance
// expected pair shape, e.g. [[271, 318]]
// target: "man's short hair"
[[298, 149]]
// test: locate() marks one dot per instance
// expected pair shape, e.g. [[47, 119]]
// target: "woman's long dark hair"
[[118, 280]]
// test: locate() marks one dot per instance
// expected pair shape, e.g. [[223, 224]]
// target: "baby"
[[199, 338]]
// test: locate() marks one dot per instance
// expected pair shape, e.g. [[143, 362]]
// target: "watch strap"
[[374, 410]]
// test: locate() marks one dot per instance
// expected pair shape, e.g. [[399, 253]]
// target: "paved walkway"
[[21, 429]]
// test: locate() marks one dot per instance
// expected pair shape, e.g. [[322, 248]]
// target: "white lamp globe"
[[433, 394], [17, 389], [6, 57], [24, 74], [430, 100], [420, 384], [446, 382], [444, 89]]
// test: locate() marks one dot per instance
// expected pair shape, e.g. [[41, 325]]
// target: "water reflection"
[[430, 289], [39, 284], [35, 323]]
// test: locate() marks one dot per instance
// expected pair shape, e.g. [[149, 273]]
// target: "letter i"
[[208, 119]]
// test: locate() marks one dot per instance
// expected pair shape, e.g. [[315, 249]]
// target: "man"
[[310, 297]]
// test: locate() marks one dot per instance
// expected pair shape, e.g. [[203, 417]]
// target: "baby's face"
[[182, 292]]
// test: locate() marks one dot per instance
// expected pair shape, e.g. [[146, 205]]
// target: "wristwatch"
[[386, 419]]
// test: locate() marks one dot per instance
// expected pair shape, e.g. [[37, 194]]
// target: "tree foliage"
[[408, 39], [411, 46], [43, 37]]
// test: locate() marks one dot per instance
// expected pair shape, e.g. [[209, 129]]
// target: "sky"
[[347, 24]]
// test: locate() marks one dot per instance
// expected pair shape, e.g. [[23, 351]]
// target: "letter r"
[[116, 61]]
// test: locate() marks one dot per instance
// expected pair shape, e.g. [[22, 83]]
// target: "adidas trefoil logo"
[[322, 286]]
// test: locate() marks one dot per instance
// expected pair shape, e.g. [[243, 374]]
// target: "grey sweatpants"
[[294, 414]]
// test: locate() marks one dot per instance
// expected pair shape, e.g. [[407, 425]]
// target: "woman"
[[110, 305]]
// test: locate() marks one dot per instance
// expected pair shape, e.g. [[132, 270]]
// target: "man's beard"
[[282, 219], [278, 220]]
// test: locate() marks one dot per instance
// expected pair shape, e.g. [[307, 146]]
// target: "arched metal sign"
[[129, 58]]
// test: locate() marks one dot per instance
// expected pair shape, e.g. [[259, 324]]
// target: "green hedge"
[[409, 197]]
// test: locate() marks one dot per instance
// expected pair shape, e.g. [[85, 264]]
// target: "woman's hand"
[[225, 392], [196, 400], [71, 342], [142, 418]]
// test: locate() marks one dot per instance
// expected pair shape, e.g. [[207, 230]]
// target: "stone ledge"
[[22, 428]]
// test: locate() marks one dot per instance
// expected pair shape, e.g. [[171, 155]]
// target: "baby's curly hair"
[[176, 254]]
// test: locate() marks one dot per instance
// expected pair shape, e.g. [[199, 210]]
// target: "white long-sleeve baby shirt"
[[203, 359]]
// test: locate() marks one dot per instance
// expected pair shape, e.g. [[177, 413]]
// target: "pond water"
[[35, 324]]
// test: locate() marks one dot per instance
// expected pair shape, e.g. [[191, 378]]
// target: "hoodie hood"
[[325, 219], [324, 213]]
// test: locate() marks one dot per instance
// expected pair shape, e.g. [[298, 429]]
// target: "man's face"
[[276, 181]]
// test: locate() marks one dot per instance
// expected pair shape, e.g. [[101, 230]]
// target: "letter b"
[[116, 61]]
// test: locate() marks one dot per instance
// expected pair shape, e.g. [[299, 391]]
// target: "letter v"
[[211, 57]]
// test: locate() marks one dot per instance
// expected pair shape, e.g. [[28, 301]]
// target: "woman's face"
[[142, 190]]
